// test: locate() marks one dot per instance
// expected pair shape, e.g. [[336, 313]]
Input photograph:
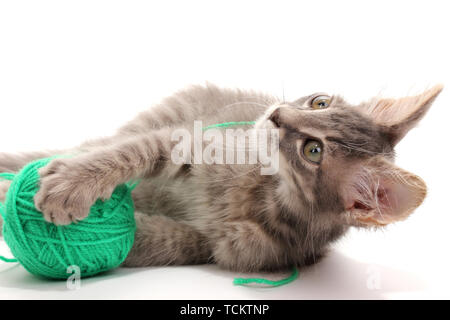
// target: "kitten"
[[335, 170]]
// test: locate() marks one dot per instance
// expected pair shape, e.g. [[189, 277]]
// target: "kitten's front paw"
[[67, 191]]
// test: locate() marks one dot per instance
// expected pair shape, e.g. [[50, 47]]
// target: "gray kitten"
[[336, 170]]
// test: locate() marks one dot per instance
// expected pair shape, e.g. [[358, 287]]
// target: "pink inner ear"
[[381, 195]]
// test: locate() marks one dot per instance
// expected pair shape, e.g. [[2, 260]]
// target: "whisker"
[[359, 149]]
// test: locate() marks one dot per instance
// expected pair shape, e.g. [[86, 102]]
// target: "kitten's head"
[[340, 157]]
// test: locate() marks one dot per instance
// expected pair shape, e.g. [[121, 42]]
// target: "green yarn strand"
[[8, 259], [229, 124], [272, 283], [7, 176]]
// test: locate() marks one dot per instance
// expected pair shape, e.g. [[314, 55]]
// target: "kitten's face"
[[339, 158]]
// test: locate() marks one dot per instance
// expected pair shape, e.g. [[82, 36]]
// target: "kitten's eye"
[[320, 102], [312, 150]]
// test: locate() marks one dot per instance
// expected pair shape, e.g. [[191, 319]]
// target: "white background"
[[71, 70]]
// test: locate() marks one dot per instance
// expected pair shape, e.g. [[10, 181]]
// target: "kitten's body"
[[227, 214], [228, 202]]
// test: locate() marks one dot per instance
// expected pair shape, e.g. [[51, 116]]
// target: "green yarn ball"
[[96, 244]]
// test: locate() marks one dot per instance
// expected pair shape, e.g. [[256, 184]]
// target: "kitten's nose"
[[275, 117]]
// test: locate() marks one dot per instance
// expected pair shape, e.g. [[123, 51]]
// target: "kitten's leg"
[[245, 247], [200, 103], [70, 186], [160, 240], [14, 162]]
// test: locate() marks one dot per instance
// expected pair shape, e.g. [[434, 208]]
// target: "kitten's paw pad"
[[67, 191]]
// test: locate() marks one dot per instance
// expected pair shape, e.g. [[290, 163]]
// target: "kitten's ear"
[[379, 193], [398, 116]]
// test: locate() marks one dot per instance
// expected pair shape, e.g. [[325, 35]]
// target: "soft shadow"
[[335, 277], [15, 276], [339, 277]]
